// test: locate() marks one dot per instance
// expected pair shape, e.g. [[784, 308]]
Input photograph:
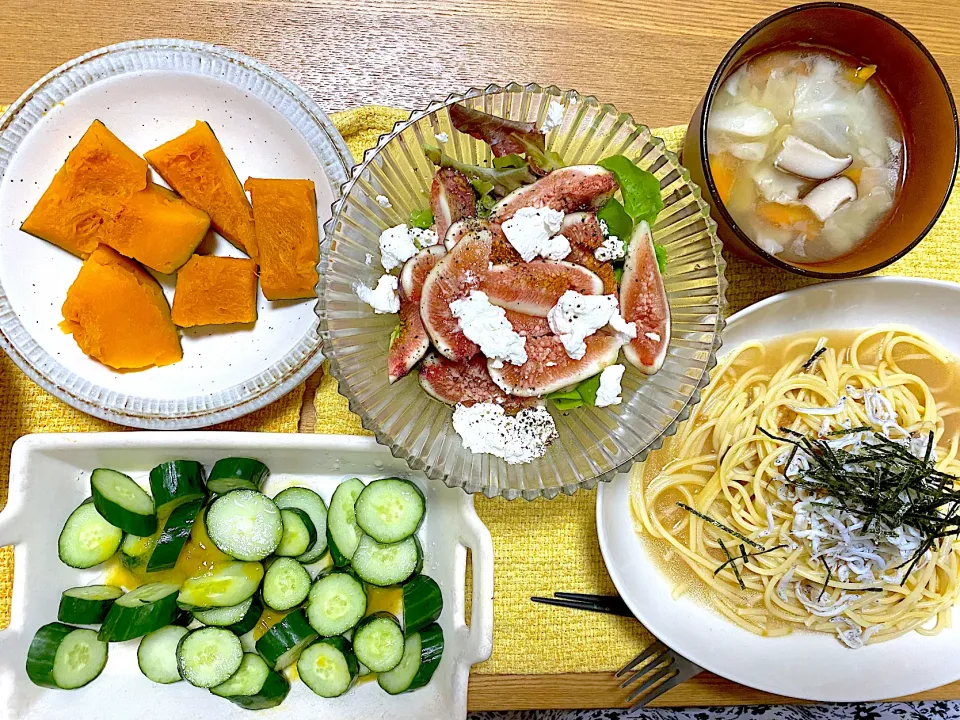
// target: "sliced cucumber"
[[343, 533], [176, 532], [422, 653], [299, 533], [140, 611], [244, 524], [383, 565], [313, 505], [254, 686], [87, 539], [157, 654], [285, 584], [122, 502], [237, 474], [378, 642], [390, 510], [176, 482], [422, 603], [328, 667], [65, 657], [208, 656], [239, 619], [135, 551], [282, 643], [226, 586], [337, 602], [87, 605]]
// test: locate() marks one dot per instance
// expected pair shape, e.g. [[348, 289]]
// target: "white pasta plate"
[[50, 475], [812, 666]]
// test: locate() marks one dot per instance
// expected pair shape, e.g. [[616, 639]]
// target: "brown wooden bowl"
[[922, 97]]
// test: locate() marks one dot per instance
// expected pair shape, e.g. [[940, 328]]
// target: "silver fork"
[[665, 670]]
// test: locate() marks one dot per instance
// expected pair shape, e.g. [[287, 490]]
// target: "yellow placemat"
[[544, 546]]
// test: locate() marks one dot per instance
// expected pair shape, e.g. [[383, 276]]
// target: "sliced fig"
[[503, 252], [604, 270], [451, 198], [534, 287], [643, 300], [466, 383], [582, 228], [569, 189], [548, 367], [411, 342], [452, 278], [528, 325]]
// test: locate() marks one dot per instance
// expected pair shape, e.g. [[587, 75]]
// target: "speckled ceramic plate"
[[147, 92]]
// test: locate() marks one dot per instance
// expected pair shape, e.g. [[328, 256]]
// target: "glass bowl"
[[594, 443], [927, 112]]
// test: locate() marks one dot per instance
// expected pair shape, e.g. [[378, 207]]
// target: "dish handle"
[[478, 637]]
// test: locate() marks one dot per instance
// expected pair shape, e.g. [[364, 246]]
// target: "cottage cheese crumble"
[[486, 428]]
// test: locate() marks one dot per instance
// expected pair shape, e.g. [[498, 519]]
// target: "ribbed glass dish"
[[594, 443]]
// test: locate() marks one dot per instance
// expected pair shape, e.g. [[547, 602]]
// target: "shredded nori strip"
[[717, 523], [747, 556], [827, 581], [813, 358], [736, 572]]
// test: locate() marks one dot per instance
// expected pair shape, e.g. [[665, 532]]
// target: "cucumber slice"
[[237, 474], [383, 565], [422, 603], [390, 510], [313, 505], [422, 653], [285, 584], [337, 602], [157, 654], [282, 643], [208, 656], [343, 533], [328, 667], [244, 524], [378, 642], [239, 619], [87, 605], [227, 585], [87, 539], [122, 502], [176, 482], [254, 686], [176, 532], [65, 657], [135, 551], [299, 533], [140, 611]]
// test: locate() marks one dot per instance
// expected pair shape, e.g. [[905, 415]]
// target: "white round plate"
[[147, 92], [802, 665]]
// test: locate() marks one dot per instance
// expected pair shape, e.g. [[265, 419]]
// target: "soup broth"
[[806, 151]]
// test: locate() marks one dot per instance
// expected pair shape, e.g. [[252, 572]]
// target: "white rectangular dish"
[[49, 477]]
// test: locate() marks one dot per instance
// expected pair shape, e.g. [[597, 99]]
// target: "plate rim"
[[201, 415], [715, 664]]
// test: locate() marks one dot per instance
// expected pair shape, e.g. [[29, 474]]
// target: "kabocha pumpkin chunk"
[[88, 192], [215, 291], [285, 216], [195, 165], [118, 314]]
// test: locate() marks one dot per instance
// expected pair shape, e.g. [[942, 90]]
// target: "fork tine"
[[656, 692], [649, 667], [652, 649], [651, 681]]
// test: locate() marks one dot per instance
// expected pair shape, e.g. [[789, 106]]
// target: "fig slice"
[[643, 300], [580, 255], [569, 189], [466, 383], [452, 278], [411, 342], [451, 199], [533, 288], [582, 228], [548, 367], [528, 325]]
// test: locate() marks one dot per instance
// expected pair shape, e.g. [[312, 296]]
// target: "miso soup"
[[806, 151]]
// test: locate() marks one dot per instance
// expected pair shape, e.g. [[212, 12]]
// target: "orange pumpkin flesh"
[[288, 238], [215, 291], [195, 165], [118, 314]]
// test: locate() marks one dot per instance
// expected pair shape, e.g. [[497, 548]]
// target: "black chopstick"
[[606, 604]]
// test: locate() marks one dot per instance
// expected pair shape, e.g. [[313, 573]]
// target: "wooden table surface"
[[652, 58]]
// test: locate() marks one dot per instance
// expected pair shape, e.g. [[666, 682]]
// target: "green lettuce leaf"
[[640, 189], [504, 180], [422, 219]]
